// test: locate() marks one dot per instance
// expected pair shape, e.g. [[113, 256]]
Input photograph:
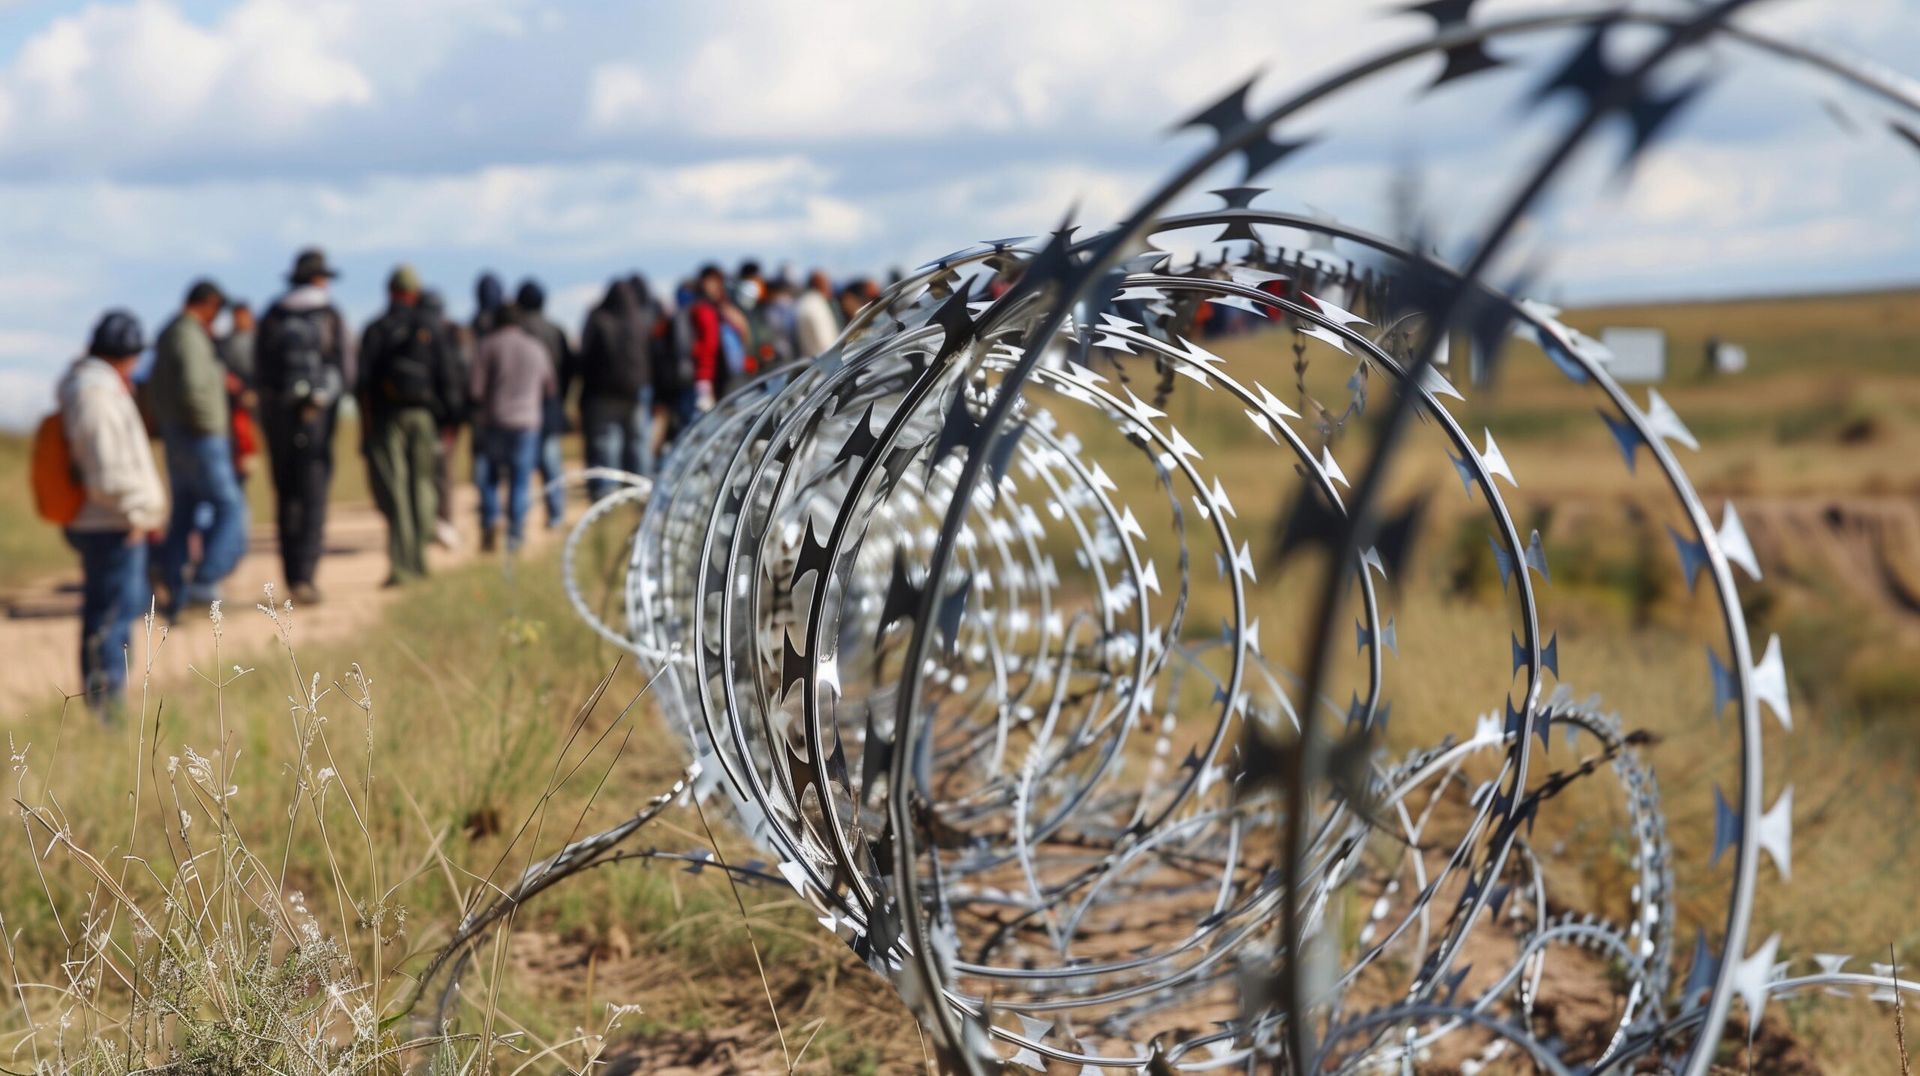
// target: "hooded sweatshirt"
[[109, 445], [616, 349]]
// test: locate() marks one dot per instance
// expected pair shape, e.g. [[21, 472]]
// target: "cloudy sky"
[[145, 141]]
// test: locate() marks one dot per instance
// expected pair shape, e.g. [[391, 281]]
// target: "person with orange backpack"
[[98, 481]]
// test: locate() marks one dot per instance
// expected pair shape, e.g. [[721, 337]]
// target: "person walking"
[[302, 361], [815, 326], [489, 305], [236, 347], [510, 381], [706, 322], [445, 534], [616, 375], [188, 403], [736, 340], [750, 320], [782, 324], [236, 355], [123, 502], [407, 371], [530, 303]]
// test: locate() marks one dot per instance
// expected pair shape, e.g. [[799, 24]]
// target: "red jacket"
[[706, 341]]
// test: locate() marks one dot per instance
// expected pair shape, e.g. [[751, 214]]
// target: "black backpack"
[[404, 371], [293, 353]]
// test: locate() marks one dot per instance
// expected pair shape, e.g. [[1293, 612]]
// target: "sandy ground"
[[40, 622]]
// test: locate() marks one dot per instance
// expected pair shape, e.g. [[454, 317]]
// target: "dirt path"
[[40, 623]]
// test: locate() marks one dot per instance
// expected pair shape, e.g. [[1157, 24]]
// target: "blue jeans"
[[618, 434], [552, 469], [200, 469], [509, 456], [113, 594]]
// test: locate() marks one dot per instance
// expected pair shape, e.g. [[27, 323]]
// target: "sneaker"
[[306, 594], [446, 535]]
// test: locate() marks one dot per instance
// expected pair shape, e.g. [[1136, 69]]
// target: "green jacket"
[[188, 387]]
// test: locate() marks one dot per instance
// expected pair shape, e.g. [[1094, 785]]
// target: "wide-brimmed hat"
[[311, 265]]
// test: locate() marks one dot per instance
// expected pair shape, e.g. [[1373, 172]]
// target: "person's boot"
[[488, 538], [306, 594]]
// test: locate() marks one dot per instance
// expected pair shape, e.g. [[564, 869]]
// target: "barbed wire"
[[935, 614]]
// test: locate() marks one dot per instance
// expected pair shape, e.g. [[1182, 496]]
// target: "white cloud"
[[127, 84], [1700, 218], [880, 69], [145, 141], [587, 213], [618, 95], [1021, 200], [37, 287], [114, 83]]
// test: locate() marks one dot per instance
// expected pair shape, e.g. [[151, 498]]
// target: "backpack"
[[294, 345], [58, 494], [403, 373]]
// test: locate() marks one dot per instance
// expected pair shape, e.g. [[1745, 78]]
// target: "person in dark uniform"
[[407, 371], [302, 363]]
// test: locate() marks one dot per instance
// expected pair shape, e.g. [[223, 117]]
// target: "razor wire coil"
[[936, 613]]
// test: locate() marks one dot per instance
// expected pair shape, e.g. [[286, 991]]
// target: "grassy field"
[[477, 680], [1819, 446], [450, 788]]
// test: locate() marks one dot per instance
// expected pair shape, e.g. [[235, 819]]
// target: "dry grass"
[[383, 786], [1828, 417]]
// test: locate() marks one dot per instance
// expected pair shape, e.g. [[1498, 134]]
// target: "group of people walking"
[[643, 367]]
